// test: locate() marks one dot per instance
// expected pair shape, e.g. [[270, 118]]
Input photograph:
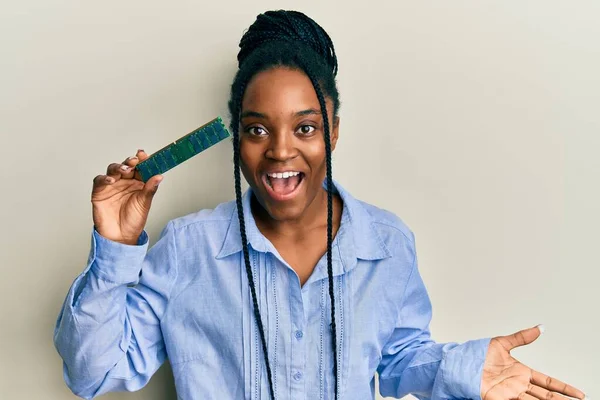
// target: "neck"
[[314, 217]]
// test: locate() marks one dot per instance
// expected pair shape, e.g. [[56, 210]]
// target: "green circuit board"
[[183, 149]]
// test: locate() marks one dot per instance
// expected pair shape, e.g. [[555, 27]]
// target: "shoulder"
[[383, 228], [389, 231], [388, 223], [205, 229], [384, 236], [220, 215]]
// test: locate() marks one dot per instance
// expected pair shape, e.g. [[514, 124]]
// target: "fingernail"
[[125, 168], [131, 158], [542, 328], [109, 179], [142, 150]]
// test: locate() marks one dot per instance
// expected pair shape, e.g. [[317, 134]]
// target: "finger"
[[554, 385], [526, 396], [544, 394], [141, 155], [131, 161], [151, 187], [521, 338], [101, 181], [118, 171]]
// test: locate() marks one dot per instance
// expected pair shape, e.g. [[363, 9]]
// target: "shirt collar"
[[357, 238]]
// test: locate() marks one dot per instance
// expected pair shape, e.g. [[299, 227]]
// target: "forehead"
[[280, 90]]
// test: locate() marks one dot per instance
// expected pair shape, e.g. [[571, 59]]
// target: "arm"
[[108, 331], [412, 363]]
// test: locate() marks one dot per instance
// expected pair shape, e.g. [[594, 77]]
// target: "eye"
[[306, 129], [256, 131]]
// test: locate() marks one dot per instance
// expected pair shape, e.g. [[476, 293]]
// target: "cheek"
[[246, 153], [250, 158], [245, 158], [314, 152]]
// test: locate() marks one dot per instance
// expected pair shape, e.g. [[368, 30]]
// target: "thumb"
[[524, 337], [151, 186]]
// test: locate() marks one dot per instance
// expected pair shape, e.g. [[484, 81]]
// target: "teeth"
[[284, 175]]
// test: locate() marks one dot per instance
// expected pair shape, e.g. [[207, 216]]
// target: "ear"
[[335, 132]]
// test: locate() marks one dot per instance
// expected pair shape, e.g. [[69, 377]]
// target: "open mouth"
[[283, 185]]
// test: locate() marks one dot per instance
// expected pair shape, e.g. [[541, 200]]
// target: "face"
[[281, 142]]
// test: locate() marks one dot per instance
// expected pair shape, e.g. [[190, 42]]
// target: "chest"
[[211, 328], [302, 256]]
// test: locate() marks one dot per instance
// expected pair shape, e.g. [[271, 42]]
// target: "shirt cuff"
[[117, 262], [462, 369]]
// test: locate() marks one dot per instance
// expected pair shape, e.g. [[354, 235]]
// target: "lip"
[[280, 171], [282, 197]]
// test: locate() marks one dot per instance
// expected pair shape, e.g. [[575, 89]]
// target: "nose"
[[281, 147]]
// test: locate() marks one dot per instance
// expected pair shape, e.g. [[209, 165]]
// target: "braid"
[[288, 39], [238, 199], [324, 44], [290, 26], [327, 138]]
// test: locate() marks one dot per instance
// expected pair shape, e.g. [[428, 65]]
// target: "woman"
[[296, 290]]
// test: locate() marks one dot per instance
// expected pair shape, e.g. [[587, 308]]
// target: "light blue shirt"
[[188, 299]]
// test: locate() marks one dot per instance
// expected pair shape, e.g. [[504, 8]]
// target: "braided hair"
[[293, 40]]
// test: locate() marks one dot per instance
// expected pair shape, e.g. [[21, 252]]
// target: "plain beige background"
[[475, 121]]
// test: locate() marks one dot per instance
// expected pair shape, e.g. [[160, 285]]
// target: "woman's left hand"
[[506, 378]]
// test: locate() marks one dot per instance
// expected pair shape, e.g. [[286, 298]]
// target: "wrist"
[[130, 241]]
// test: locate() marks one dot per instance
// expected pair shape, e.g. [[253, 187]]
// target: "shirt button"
[[298, 376], [299, 334]]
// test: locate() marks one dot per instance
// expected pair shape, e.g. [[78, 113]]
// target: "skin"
[[282, 129], [272, 136], [121, 200]]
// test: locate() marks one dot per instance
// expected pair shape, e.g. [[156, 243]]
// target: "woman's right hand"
[[121, 200]]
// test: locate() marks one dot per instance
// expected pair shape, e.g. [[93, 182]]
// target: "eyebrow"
[[247, 114], [310, 111]]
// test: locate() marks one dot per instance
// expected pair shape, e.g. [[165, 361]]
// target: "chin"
[[285, 212]]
